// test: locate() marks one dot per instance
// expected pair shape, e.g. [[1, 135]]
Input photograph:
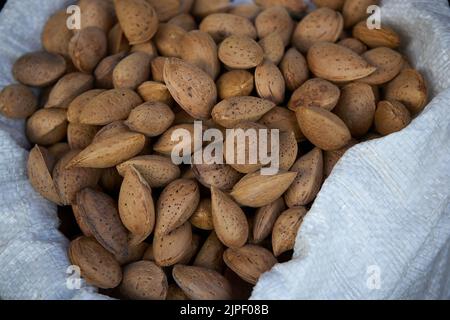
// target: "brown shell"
[[210, 254], [17, 101], [265, 218], [168, 39], [275, 19], [315, 92], [235, 83], [202, 216], [391, 116], [294, 68], [131, 71], [171, 248], [68, 88], [221, 176], [56, 36], [269, 82], [47, 126], [76, 106], [223, 25], [239, 52], [286, 228], [150, 118]]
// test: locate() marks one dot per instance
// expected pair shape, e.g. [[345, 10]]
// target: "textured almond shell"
[[76, 106], [355, 11], [240, 52], [171, 248], [68, 88], [235, 83], [221, 176], [273, 47], [275, 19], [150, 118], [383, 37], [210, 254], [269, 82], [202, 216], [79, 136], [390, 117], [132, 71], [284, 120], [286, 228], [155, 91], [168, 39], [388, 63], [294, 68], [47, 126], [288, 150], [265, 218], [315, 92]]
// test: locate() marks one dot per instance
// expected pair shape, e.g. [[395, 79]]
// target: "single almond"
[[202, 284], [47, 126], [282, 119], [99, 212], [210, 254], [144, 280], [17, 101], [288, 149], [240, 52], [230, 223], [273, 47], [377, 37], [39, 167], [249, 262], [275, 19], [168, 39], [315, 92], [87, 48], [223, 25], [323, 128], [76, 106], [148, 48], [265, 218], [157, 67], [257, 190], [136, 208], [55, 35], [176, 204], [184, 132], [353, 44], [323, 24], [202, 216], [98, 266], [309, 179], [97, 13], [337, 63], [151, 118], [286, 228], [235, 83], [294, 68], [390, 117], [191, 87], [221, 176], [355, 11], [388, 63], [68, 88], [131, 71], [171, 248], [269, 82], [80, 136], [155, 91]]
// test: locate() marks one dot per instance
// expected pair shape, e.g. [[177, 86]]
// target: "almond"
[[390, 117], [323, 24], [202, 216], [410, 89], [55, 35], [331, 158], [230, 112], [374, 38], [148, 48], [76, 106], [199, 49], [282, 119], [176, 204], [249, 262], [99, 212], [265, 218], [185, 21], [39, 167], [230, 223], [47, 126], [355, 11], [294, 68], [269, 82], [130, 11], [210, 255], [235, 83], [315, 93], [193, 249], [97, 13], [166, 9], [39, 69], [109, 106], [240, 52], [87, 47], [388, 63], [257, 190], [286, 228], [353, 44], [151, 118], [273, 47], [220, 176], [155, 91], [171, 248], [223, 25], [191, 87], [323, 128], [337, 63], [204, 8], [202, 284], [288, 150], [98, 266], [69, 181], [80, 136], [68, 88], [135, 253], [131, 71], [136, 207], [17, 101], [275, 19], [158, 171], [309, 179], [356, 108], [157, 66], [168, 39], [110, 151], [144, 280], [165, 145]]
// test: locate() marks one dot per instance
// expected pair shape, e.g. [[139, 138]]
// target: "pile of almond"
[[114, 91]]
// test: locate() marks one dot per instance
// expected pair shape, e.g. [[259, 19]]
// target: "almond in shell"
[[131, 71], [353, 44], [273, 47], [288, 150], [391, 116], [157, 67], [374, 38], [47, 126], [165, 145], [79, 136], [151, 118], [210, 254], [202, 216], [235, 83], [269, 82], [56, 36], [17, 101], [168, 39], [223, 25], [315, 92], [148, 48], [68, 88], [166, 9], [286, 228], [171, 248], [249, 262], [155, 91], [355, 11], [97, 13], [309, 179], [283, 119], [275, 19], [202, 284], [294, 68], [221, 176], [117, 42], [388, 63], [76, 106], [257, 190], [185, 21], [240, 52], [265, 218]]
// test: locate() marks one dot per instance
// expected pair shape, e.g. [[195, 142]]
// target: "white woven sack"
[[380, 227]]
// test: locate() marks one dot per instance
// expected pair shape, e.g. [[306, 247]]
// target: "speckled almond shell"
[[232, 111], [265, 218], [323, 128], [110, 151], [210, 254], [166, 9], [69, 181], [158, 171], [136, 208], [230, 222], [109, 106], [355, 11], [39, 69], [202, 216], [249, 262], [275, 19], [56, 36], [157, 67], [171, 248], [269, 82], [223, 25], [17, 101], [68, 88], [323, 24], [283, 119], [76, 106], [286, 228], [47, 126], [131, 71], [79, 136], [353, 44], [185, 21], [315, 92], [151, 118], [256, 190], [221, 176], [202, 284], [308, 181], [388, 63], [130, 11], [97, 13], [176, 204], [240, 52], [288, 150], [337, 63], [273, 47], [39, 167], [390, 117], [191, 87], [294, 68], [374, 38], [168, 39]]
